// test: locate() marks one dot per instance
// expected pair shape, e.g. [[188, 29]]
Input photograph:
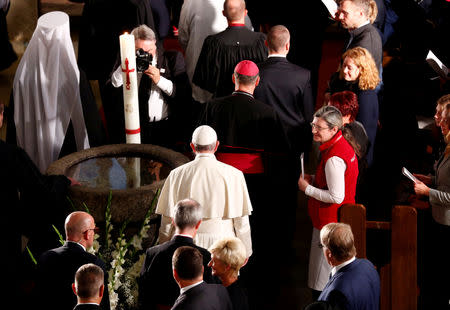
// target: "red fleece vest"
[[322, 213]]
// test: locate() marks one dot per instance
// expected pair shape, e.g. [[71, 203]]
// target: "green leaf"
[[108, 220], [31, 255], [61, 239], [86, 208]]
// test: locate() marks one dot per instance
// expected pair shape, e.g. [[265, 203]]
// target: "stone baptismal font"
[[133, 173]]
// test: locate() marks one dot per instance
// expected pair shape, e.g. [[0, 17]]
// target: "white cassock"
[[221, 191], [46, 92]]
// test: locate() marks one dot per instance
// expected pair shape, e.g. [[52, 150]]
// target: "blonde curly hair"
[[369, 76]]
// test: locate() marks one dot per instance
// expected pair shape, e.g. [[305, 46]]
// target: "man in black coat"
[[157, 287], [356, 17], [187, 265], [89, 287], [253, 140], [221, 52], [164, 94], [56, 268], [286, 88]]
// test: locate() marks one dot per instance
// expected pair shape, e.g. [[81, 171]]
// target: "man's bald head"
[[277, 38], [76, 223], [234, 10]]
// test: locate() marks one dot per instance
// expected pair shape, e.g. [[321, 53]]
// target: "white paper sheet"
[[331, 6], [437, 64]]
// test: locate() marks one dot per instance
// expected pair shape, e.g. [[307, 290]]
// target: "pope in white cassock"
[[218, 187]]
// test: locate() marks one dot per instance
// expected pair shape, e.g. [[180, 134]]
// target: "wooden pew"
[[399, 277]]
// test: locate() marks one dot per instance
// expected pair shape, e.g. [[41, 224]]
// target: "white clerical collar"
[[363, 24], [89, 303], [78, 244], [210, 155], [276, 55], [186, 288], [336, 268], [183, 235]]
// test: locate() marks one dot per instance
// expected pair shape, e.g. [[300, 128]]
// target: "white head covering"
[[47, 93], [204, 135]]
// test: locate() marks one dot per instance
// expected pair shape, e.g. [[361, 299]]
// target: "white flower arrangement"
[[125, 259]]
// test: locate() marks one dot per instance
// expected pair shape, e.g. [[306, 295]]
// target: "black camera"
[[143, 60]]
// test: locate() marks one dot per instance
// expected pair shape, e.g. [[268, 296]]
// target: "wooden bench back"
[[399, 277]]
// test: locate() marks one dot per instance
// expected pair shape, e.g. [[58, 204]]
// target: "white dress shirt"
[[157, 107], [335, 176]]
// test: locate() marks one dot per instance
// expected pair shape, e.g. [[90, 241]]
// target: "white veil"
[[47, 93]]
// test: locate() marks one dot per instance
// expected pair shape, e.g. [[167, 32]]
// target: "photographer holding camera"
[[164, 91]]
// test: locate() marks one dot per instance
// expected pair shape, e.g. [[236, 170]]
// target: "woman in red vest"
[[333, 185]]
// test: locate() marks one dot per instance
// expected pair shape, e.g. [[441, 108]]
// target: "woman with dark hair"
[[358, 73], [333, 185]]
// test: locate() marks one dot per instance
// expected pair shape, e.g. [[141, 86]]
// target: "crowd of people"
[[252, 114]]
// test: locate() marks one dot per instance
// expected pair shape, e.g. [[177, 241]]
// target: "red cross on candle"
[[127, 71]]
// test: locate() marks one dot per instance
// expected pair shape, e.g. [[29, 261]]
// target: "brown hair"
[[277, 38], [88, 280], [338, 238], [188, 262], [369, 7], [444, 100], [446, 117]]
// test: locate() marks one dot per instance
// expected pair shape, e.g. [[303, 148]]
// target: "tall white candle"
[[130, 88]]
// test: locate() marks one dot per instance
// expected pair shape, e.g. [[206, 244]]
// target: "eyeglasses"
[[318, 128], [95, 229]]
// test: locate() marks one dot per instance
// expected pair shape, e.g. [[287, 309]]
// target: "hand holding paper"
[[409, 175], [302, 156]]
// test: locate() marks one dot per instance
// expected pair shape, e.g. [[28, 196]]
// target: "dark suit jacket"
[[56, 273], [286, 88], [86, 307], [156, 283], [204, 296], [369, 38], [172, 63], [354, 287]]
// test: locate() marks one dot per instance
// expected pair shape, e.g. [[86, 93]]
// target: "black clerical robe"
[[8, 54], [31, 203], [250, 131], [245, 127], [222, 52], [242, 121]]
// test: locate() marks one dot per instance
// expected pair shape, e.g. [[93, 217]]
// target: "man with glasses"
[[56, 268]]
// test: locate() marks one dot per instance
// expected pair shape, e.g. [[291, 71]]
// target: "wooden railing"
[[399, 276]]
